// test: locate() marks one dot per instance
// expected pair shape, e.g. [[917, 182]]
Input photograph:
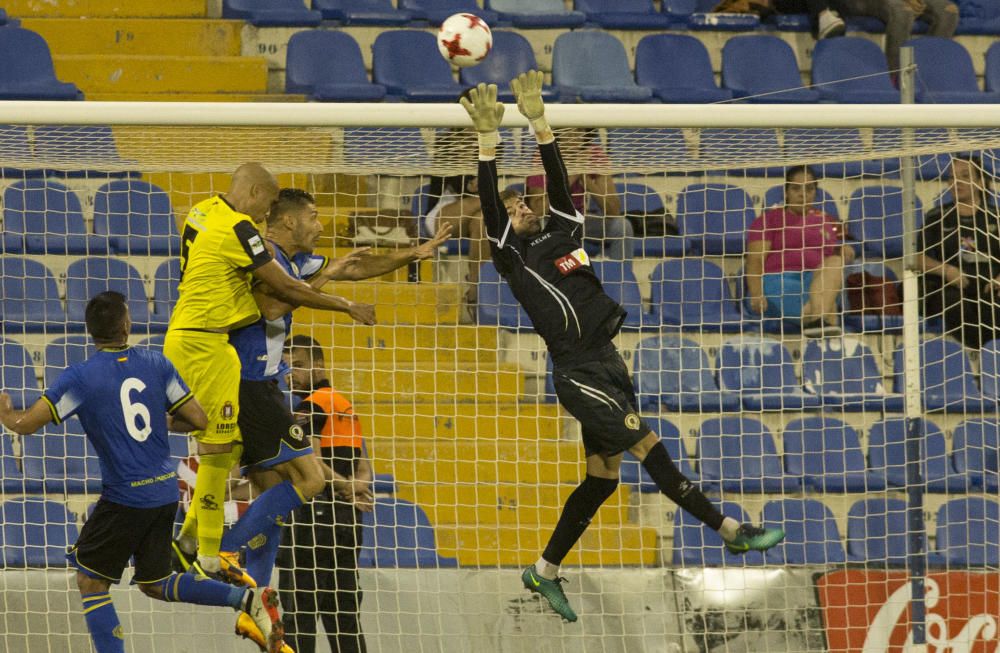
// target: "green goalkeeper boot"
[[753, 538], [551, 590]]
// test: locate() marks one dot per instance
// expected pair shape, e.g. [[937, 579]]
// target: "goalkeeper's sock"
[[209, 496], [103, 624], [262, 551], [268, 509], [190, 588], [580, 508], [678, 488]]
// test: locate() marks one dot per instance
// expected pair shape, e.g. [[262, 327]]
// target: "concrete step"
[[395, 303], [406, 344], [430, 383], [465, 427], [195, 97], [139, 36], [106, 8], [162, 74]]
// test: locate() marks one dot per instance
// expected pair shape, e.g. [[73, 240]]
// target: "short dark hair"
[[105, 315], [794, 170], [509, 194], [306, 342], [289, 198]]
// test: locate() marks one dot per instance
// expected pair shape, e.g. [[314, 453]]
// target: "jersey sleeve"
[[495, 217], [65, 396], [245, 247], [177, 392], [563, 214], [311, 264]]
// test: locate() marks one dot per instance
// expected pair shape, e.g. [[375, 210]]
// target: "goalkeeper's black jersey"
[[550, 274]]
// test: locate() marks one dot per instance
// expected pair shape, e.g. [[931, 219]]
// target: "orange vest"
[[342, 427]]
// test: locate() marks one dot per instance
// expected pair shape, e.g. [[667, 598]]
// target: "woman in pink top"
[[795, 259]]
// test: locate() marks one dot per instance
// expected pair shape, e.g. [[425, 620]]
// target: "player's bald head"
[[252, 191]]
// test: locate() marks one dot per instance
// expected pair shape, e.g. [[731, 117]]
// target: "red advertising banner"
[[868, 611]]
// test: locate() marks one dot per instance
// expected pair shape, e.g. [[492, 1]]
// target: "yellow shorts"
[[211, 368]]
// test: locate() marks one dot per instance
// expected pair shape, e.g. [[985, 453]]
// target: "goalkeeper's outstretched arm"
[[486, 112]]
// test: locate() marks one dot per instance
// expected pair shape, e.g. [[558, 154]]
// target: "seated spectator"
[[795, 259], [580, 149], [826, 22], [959, 247]]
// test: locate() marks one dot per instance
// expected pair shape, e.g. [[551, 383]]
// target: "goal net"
[[812, 314]]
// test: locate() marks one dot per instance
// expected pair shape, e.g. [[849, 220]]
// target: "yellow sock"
[[189, 529], [209, 496]]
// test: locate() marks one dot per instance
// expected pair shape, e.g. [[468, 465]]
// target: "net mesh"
[[455, 400]]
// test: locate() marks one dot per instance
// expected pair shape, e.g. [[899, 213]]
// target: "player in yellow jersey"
[[221, 251]]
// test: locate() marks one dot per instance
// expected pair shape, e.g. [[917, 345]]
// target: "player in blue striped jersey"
[[123, 396]]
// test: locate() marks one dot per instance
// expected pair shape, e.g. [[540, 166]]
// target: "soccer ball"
[[464, 39]]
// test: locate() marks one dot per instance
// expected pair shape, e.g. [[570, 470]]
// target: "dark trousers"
[[319, 577], [969, 315]]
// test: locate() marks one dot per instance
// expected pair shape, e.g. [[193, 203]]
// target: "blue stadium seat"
[[852, 70], [887, 455], [989, 370], [698, 15], [137, 218], [271, 13], [496, 303], [811, 535], [89, 276], [154, 342], [64, 351], [511, 55], [11, 479], [775, 196], [674, 372], [749, 145], [361, 153], [826, 143], [408, 64], [692, 294], [620, 284], [35, 532], [591, 66], [327, 66], [28, 73], [715, 217], [535, 14], [877, 532], [633, 147], [399, 535], [17, 374], [362, 12], [760, 370], [165, 294], [696, 545], [29, 297], [991, 76], [81, 151], [677, 68], [623, 14], [633, 473], [16, 146], [946, 73], [826, 454], [978, 17], [875, 216], [763, 69], [437, 11], [968, 532], [63, 460], [738, 454], [843, 372], [976, 453], [928, 166], [947, 382], [641, 202], [50, 218]]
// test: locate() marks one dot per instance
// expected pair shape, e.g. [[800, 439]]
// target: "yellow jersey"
[[220, 248]]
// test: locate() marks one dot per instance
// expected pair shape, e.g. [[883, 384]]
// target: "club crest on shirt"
[[632, 421], [296, 432], [227, 410], [572, 261]]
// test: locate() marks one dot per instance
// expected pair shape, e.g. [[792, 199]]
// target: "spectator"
[[959, 249], [579, 148], [899, 15], [826, 22], [795, 259]]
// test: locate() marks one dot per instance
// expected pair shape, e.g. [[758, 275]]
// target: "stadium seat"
[[775, 196], [640, 202], [63, 460], [811, 535], [137, 218], [989, 370], [978, 17], [827, 143], [692, 294], [165, 282], [738, 454], [875, 216], [928, 166], [496, 304], [271, 13], [947, 382], [64, 351], [946, 74], [696, 545], [699, 15], [30, 298], [362, 12], [15, 146], [154, 342], [437, 11], [826, 455], [327, 66], [633, 473], [877, 532], [855, 319], [81, 151], [845, 375], [407, 63], [715, 217], [674, 372], [762, 68], [887, 442], [407, 143], [50, 218], [761, 372], [17, 374], [968, 532], [35, 532], [677, 69], [29, 74], [511, 55], [89, 276], [633, 147], [991, 76], [620, 284], [976, 453], [852, 70], [623, 14], [535, 14], [399, 535], [591, 66], [11, 479], [745, 146]]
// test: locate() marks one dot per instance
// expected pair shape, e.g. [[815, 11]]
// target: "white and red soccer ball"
[[464, 39]]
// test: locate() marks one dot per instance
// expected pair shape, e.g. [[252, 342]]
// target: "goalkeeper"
[[550, 274]]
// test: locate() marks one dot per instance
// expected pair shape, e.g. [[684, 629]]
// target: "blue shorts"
[[786, 293]]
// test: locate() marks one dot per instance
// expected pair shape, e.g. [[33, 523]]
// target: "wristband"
[[488, 142]]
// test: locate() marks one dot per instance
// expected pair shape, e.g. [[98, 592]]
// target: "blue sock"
[[269, 508], [261, 554], [189, 588], [103, 624]]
